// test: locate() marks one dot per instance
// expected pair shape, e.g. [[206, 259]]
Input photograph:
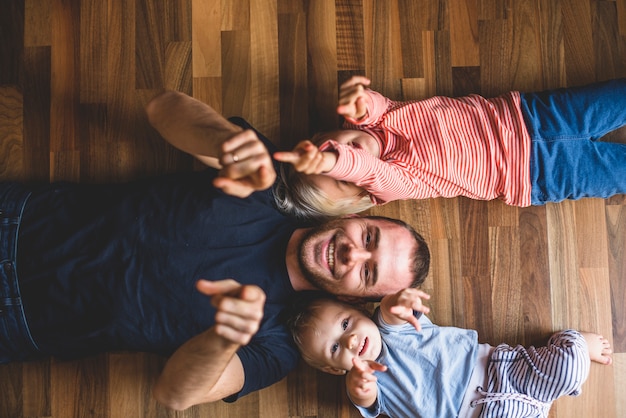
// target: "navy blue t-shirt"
[[114, 267]]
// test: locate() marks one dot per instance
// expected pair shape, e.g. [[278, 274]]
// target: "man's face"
[[358, 257]]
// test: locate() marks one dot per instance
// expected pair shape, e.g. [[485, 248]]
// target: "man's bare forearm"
[[190, 125], [204, 369]]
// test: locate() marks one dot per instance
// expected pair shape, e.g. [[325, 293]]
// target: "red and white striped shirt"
[[467, 146]]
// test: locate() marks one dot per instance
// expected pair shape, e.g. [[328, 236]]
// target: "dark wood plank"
[[12, 128]]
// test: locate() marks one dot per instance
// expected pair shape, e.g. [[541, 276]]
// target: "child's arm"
[[308, 159], [397, 309], [352, 98], [361, 382]]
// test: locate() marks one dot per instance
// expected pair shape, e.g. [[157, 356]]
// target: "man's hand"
[[246, 165], [361, 382], [239, 308], [398, 308], [307, 158], [352, 98]]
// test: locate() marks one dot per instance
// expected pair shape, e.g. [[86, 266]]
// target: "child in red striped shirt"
[[523, 148]]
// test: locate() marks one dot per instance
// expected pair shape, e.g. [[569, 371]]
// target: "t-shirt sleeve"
[[266, 360]]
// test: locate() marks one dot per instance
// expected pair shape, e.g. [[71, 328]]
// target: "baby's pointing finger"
[[287, 156]]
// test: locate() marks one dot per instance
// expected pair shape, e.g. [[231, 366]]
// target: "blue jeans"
[[16, 343], [567, 161]]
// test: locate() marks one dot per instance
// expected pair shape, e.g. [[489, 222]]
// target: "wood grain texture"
[[75, 76]]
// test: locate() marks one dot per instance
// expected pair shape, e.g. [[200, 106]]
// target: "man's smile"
[[330, 256]]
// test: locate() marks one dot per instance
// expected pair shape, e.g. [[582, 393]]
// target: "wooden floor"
[[75, 75]]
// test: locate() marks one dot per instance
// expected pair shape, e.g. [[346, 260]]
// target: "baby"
[[523, 148], [438, 371]]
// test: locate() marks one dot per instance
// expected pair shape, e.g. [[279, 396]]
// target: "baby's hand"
[[360, 380], [307, 158], [352, 98], [402, 304]]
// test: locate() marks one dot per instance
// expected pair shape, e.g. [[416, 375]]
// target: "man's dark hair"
[[420, 262]]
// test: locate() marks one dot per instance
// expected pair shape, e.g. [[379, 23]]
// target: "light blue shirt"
[[428, 371]]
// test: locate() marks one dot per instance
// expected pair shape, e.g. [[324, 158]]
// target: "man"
[[93, 268]]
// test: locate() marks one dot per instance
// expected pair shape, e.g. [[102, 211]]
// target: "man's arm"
[[206, 368], [196, 128], [190, 125]]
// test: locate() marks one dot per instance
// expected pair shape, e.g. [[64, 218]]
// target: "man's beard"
[[316, 279]]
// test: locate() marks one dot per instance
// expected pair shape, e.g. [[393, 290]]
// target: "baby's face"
[[339, 334], [352, 137], [336, 189]]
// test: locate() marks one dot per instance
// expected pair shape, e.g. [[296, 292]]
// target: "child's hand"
[[308, 159], [352, 98], [398, 308], [360, 381]]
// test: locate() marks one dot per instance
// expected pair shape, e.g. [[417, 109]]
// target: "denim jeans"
[[16, 343], [567, 159]]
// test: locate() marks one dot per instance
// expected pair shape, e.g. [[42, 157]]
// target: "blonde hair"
[[296, 195]]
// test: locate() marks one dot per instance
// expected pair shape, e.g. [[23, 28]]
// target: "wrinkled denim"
[[16, 342], [567, 159]]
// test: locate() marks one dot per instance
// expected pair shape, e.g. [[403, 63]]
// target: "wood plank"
[[205, 35], [264, 86], [322, 52], [11, 384], [506, 294], [578, 43], [121, 60], [12, 23], [80, 388], [12, 128], [293, 91], [149, 44], [93, 52], [609, 45], [64, 90], [236, 83], [616, 231], [36, 393], [552, 45], [350, 54], [37, 28], [563, 262], [465, 49], [386, 47], [36, 116], [178, 67], [534, 273]]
